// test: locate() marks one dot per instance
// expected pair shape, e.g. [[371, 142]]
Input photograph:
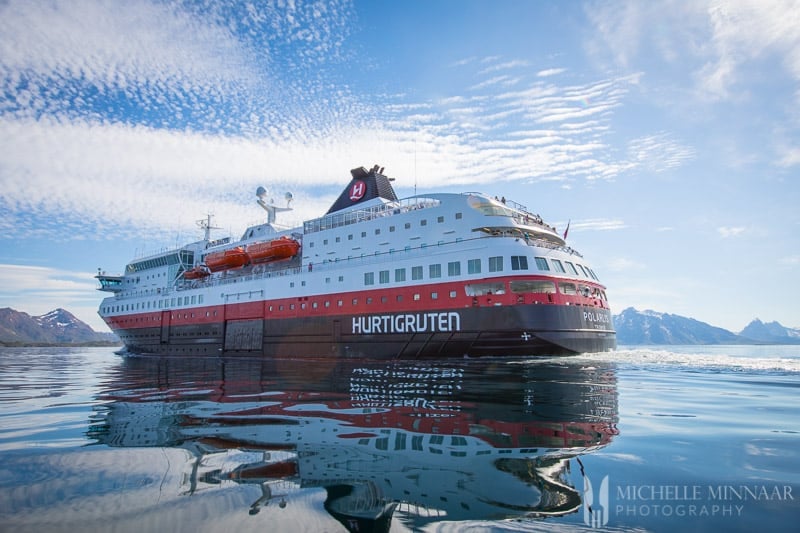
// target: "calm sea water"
[[642, 439]]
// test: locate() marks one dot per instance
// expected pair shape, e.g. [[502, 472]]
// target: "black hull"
[[517, 331]]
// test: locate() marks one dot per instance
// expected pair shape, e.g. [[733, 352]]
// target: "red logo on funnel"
[[357, 191]]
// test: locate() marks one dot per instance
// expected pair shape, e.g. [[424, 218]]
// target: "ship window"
[[546, 287], [454, 268], [311, 244], [383, 276], [369, 278], [341, 278], [324, 242], [314, 305], [423, 222], [453, 294], [399, 298], [434, 296], [338, 239], [482, 289], [180, 300], [567, 288], [416, 272], [384, 299], [458, 216], [541, 263], [439, 219], [355, 301], [407, 225], [558, 266], [280, 307], [435, 271], [416, 443], [496, 264], [363, 234], [291, 306], [391, 228], [416, 296], [327, 280], [200, 299], [585, 275], [591, 273], [350, 237], [519, 262], [571, 268], [400, 274], [194, 300], [339, 303], [474, 266], [377, 231]]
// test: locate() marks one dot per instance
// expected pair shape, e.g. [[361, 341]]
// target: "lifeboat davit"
[[198, 272], [274, 250], [232, 258]]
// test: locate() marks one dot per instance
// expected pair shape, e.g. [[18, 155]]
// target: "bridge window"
[[535, 286], [519, 262], [474, 266], [369, 278], [558, 266], [567, 288], [541, 263], [571, 268], [435, 271], [454, 268], [496, 264], [482, 289]]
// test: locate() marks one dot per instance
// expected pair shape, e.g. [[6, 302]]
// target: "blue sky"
[[667, 132]]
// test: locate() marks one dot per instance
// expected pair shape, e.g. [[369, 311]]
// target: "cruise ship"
[[430, 276]]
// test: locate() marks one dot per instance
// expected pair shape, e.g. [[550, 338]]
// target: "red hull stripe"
[[416, 298]]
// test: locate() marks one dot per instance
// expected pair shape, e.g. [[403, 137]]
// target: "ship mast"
[[205, 225]]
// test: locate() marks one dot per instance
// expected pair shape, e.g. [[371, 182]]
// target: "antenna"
[[270, 207], [205, 225]]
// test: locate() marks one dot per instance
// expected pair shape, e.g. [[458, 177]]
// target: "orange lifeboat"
[[274, 250], [198, 272], [232, 258]]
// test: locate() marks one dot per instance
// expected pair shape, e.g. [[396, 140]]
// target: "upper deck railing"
[[338, 219]]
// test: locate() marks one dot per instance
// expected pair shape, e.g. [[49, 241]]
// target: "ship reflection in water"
[[364, 444]]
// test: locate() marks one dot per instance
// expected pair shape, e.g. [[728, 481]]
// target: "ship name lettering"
[[595, 317], [406, 323]]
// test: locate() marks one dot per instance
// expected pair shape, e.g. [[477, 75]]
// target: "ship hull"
[[532, 330]]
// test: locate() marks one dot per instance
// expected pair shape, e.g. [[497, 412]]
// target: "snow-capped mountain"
[[56, 327]]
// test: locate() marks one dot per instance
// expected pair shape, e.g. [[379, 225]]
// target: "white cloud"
[[714, 39], [731, 231], [550, 72]]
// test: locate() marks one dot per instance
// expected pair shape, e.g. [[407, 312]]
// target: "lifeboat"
[[274, 250], [232, 258], [198, 272]]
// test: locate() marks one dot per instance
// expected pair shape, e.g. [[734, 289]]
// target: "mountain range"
[[651, 327], [633, 327], [56, 327]]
